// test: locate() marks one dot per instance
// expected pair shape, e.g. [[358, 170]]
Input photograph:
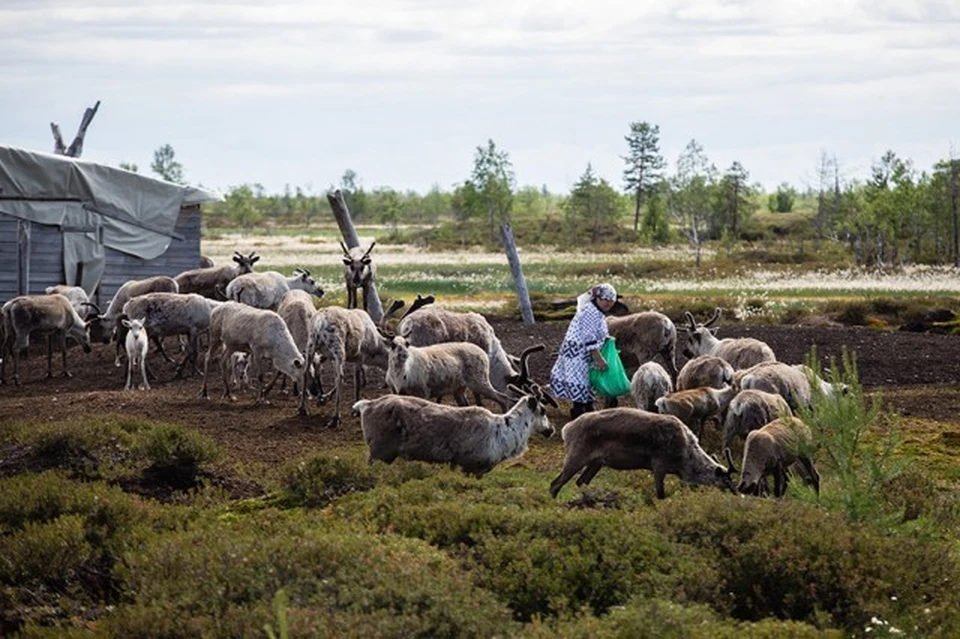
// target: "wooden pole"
[[23, 257], [523, 296], [342, 214]]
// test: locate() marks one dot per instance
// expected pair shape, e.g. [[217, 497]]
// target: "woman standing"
[[570, 377]]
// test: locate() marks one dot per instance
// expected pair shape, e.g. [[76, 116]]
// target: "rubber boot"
[[579, 408]]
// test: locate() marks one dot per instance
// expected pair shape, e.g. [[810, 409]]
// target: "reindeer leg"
[[589, 473], [357, 374], [566, 474], [159, 344], [334, 420], [143, 374], [15, 353], [262, 399], [658, 477], [50, 357], [302, 406]]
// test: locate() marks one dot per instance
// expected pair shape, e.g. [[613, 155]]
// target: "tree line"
[[897, 215]]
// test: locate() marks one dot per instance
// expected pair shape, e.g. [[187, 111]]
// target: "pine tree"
[[644, 164]]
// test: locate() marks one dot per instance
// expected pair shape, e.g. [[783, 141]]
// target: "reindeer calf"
[[770, 451], [650, 383], [136, 344], [705, 370], [695, 406], [750, 410]]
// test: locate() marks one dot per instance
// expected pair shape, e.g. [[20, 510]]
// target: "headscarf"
[[603, 291]]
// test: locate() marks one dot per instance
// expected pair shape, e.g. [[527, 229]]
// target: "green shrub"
[[790, 560], [43, 497], [60, 539], [169, 446], [221, 581], [52, 553], [537, 560], [318, 480], [89, 448], [660, 619]]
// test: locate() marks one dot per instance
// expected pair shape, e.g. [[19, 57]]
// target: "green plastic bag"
[[612, 382]]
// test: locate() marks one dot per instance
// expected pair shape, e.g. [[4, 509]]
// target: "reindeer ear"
[[347, 261]]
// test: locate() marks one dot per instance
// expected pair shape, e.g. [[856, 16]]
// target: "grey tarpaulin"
[[94, 205]]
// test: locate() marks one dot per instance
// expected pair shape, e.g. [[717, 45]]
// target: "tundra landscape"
[[162, 513]]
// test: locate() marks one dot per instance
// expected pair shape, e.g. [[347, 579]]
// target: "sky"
[[403, 92]]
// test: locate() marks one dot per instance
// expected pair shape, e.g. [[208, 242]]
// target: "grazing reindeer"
[[358, 272]]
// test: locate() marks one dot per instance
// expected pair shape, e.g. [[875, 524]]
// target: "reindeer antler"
[[524, 356], [420, 302], [364, 256], [713, 318]]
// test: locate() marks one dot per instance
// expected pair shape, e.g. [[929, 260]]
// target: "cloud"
[[554, 83]]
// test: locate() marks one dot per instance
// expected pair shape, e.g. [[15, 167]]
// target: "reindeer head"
[[696, 333], [133, 326], [537, 402], [245, 262], [98, 330], [307, 282], [357, 266]]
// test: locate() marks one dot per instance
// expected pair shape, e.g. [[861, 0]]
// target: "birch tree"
[[691, 195]]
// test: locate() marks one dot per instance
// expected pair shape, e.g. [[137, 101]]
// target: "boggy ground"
[[918, 374]]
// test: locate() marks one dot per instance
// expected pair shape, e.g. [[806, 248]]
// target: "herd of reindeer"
[[256, 322]]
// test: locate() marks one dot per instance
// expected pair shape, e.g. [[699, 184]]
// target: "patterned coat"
[[570, 377]]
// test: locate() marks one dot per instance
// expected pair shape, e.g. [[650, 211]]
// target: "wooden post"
[[76, 147], [342, 214], [23, 257], [526, 311]]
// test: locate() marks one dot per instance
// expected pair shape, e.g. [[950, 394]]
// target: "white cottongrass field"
[[477, 279]]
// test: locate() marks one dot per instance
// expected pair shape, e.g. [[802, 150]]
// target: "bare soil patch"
[[919, 372]]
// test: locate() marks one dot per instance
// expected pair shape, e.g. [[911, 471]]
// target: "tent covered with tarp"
[[95, 207]]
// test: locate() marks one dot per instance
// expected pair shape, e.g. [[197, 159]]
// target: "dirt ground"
[[919, 374]]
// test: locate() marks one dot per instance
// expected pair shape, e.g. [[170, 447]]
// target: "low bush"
[[538, 561], [86, 448], [174, 446], [318, 480], [790, 560], [221, 580], [60, 540], [643, 618]]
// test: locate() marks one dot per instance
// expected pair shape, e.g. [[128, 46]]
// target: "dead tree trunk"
[[526, 311], [76, 147], [342, 214]]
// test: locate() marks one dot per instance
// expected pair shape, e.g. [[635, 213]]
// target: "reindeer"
[[358, 272]]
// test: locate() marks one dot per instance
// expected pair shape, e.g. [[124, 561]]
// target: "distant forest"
[[898, 214]]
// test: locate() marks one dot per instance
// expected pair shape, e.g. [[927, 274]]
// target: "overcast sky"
[[403, 92]]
